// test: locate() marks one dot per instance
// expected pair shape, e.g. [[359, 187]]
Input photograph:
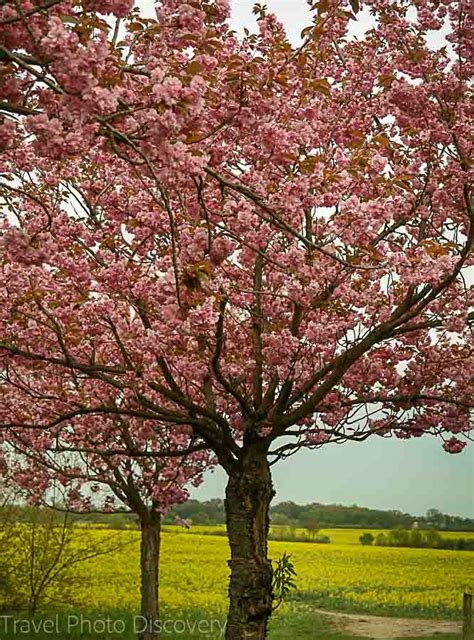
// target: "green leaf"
[[283, 582], [69, 19]]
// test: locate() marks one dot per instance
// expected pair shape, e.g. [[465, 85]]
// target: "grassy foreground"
[[187, 625]]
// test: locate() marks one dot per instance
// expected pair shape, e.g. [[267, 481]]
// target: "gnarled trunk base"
[[248, 495]]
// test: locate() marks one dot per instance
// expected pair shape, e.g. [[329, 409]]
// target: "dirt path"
[[379, 628]]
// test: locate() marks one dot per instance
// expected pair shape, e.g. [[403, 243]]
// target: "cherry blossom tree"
[[266, 247], [99, 464]]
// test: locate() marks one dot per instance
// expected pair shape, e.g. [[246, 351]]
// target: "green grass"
[[110, 625], [312, 626], [294, 625], [332, 600]]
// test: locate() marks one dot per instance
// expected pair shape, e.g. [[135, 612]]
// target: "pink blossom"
[[454, 445]]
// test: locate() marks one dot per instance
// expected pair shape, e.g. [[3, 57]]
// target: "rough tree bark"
[[249, 492], [149, 562]]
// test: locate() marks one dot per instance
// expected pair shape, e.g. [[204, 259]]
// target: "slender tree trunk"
[[33, 605], [248, 495], [149, 562]]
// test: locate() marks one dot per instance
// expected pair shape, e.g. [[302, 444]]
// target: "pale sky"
[[409, 475]]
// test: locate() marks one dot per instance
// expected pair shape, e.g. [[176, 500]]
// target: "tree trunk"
[[33, 605], [148, 625], [249, 492]]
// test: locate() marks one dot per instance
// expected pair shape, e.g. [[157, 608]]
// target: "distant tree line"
[[326, 516], [418, 539], [311, 517]]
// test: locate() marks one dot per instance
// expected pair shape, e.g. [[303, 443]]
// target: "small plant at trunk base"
[[284, 575]]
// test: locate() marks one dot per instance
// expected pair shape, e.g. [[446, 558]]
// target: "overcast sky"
[[409, 475], [412, 475]]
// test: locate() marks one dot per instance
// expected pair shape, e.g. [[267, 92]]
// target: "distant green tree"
[[417, 539], [366, 539], [280, 519], [381, 540], [201, 517], [310, 521], [433, 539]]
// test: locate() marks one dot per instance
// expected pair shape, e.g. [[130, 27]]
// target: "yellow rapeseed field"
[[341, 575]]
